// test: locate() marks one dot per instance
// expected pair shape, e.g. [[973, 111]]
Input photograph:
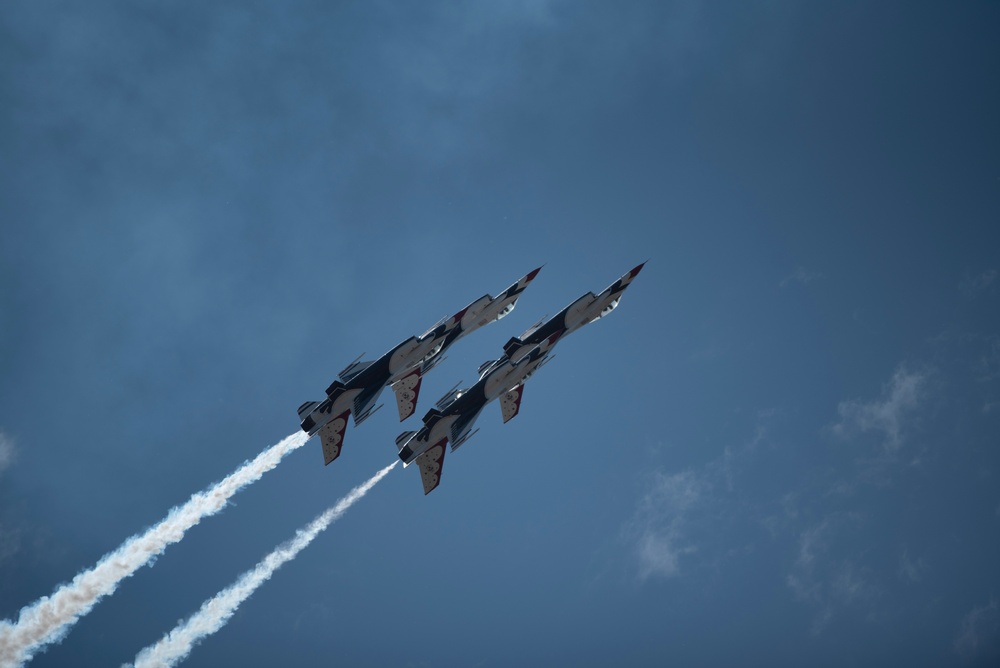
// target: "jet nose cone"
[[636, 270], [531, 275]]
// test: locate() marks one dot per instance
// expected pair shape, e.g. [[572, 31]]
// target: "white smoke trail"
[[216, 611], [49, 619]]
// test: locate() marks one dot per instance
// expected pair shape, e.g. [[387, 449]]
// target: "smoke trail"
[[216, 611], [50, 618]]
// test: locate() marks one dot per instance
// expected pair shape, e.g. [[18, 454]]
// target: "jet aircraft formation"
[[359, 385]]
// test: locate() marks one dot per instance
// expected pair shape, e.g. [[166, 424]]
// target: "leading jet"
[[455, 413], [359, 385], [585, 310]]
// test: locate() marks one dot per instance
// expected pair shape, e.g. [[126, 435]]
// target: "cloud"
[[826, 583], [7, 452], [899, 398], [801, 276], [801, 579], [982, 281], [909, 569], [657, 527], [977, 629], [987, 367], [850, 585], [679, 514]]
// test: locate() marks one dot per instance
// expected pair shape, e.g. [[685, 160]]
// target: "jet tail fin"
[[307, 408], [512, 346], [433, 415], [403, 438], [336, 387]]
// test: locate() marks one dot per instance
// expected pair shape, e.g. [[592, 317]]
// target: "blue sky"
[[782, 448]]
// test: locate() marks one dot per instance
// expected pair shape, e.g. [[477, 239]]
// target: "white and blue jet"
[[455, 413], [359, 385]]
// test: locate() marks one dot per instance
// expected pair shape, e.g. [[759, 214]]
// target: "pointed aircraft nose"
[[531, 275], [635, 272]]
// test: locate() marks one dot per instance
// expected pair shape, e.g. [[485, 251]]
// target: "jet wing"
[[430, 463], [352, 370], [407, 389], [331, 435], [364, 403], [510, 403]]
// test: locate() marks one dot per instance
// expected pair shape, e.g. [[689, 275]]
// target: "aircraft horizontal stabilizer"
[[407, 389], [332, 437], [510, 403], [430, 463]]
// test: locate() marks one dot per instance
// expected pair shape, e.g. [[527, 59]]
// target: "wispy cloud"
[[801, 276], [7, 452], [886, 414], [911, 570], [987, 366], [978, 629], [657, 526], [680, 513], [973, 283], [825, 582], [801, 578]]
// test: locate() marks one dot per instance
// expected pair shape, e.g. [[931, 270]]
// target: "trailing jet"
[[583, 311], [359, 385], [456, 412]]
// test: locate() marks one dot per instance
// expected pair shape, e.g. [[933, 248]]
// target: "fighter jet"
[[359, 385], [585, 310], [456, 412]]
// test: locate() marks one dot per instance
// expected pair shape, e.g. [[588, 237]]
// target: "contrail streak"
[[216, 611], [50, 618]]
